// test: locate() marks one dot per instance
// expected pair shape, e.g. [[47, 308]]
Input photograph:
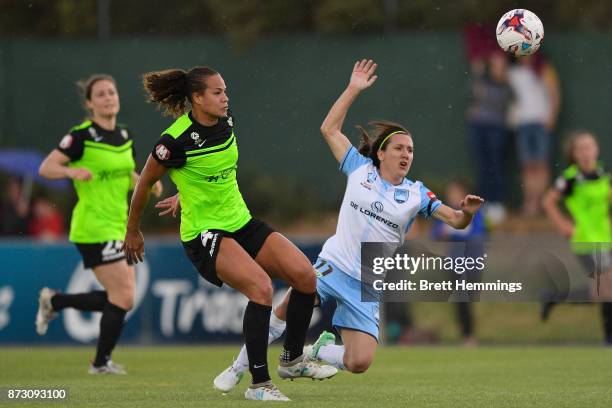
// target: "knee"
[[123, 298], [261, 291], [128, 303], [304, 279], [357, 365]]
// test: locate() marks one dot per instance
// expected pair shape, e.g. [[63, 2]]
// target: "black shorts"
[[597, 263], [202, 250], [101, 253]]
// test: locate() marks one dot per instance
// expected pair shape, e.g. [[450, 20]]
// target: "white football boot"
[[108, 368], [305, 367], [229, 378], [265, 392], [45, 311]]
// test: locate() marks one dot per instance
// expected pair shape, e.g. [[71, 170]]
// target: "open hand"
[[133, 246], [169, 205], [79, 173], [363, 74], [471, 203]]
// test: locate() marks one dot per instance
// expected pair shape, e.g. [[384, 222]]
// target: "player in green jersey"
[[585, 190], [225, 244], [98, 156]]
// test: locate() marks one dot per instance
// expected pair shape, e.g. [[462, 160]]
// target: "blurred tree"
[[244, 21], [56, 18], [341, 16]]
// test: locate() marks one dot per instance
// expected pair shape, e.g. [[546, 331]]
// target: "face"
[[586, 152], [396, 159], [104, 99], [498, 65], [214, 101]]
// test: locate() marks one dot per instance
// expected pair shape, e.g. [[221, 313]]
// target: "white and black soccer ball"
[[520, 32]]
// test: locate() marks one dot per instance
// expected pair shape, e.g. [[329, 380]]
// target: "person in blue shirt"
[[472, 238]]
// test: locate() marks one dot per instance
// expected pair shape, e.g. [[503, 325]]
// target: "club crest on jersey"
[[162, 152], [94, 134], [195, 136], [400, 195]]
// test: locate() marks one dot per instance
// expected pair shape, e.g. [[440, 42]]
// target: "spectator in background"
[[473, 237], [14, 209], [534, 115], [490, 98], [47, 223], [584, 187]]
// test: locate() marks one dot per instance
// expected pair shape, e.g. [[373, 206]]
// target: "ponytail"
[[171, 89]]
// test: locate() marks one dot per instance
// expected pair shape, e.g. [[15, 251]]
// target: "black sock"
[[299, 312], [464, 314], [256, 325], [606, 314], [110, 330], [88, 302]]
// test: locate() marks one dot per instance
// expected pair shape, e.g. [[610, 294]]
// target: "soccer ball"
[[520, 32]]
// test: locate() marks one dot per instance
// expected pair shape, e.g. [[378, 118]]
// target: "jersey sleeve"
[[72, 145], [563, 185], [352, 161], [429, 202], [169, 152]]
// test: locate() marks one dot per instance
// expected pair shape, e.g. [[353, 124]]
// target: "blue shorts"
[[351, 312], [533, 142]]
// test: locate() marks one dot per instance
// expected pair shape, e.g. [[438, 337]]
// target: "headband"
[[389, 135]]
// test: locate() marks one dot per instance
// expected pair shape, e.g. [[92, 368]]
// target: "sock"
[[299, 312], [606, 315], [256, 325], [110, 330], [332, 354], [464, 314], [88, 302], [277, 327]]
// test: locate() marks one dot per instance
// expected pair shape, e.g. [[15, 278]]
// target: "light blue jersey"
[[373, 210]]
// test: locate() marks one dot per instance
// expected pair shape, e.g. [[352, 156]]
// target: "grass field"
[[400, 377]]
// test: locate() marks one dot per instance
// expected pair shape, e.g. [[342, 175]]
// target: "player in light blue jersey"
[[379, 205]]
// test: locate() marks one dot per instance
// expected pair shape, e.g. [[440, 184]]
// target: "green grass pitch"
[[519, 376]]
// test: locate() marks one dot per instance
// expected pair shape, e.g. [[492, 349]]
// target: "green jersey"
[[101, 212], [203, 162], [587, 198]]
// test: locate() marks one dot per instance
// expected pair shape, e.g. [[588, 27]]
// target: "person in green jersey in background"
[[222, 240], [585, 190], [98, 156]]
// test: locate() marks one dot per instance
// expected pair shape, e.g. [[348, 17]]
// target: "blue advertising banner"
[[172, 303]]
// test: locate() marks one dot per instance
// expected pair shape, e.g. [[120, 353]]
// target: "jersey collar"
[[386, 185]]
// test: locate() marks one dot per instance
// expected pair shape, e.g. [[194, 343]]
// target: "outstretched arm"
[[361, 78], [134, 241], [459, 219]]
